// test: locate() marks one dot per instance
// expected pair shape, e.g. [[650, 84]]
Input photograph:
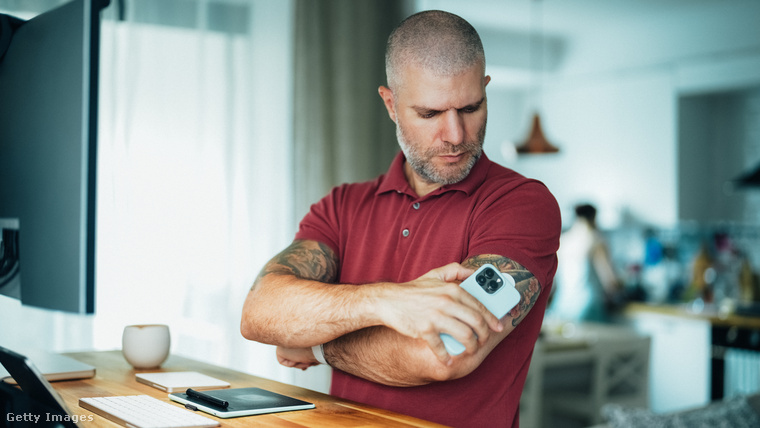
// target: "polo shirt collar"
[[395, 180]]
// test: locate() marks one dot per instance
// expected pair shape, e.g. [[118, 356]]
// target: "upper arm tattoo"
[[305, 260], [525, 282]]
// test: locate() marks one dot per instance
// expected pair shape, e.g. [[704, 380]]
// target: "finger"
[[477, 330], [450, 273], [439, 349], [460, 327], [303, 366], [465, 336], [490, 324], [455, 272], [481, 319], [285, 362]]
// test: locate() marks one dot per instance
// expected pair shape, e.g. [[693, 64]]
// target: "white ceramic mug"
[[146, 346]]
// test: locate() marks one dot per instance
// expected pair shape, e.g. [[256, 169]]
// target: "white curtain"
[[194, 186], [196, 161], [342, 130]]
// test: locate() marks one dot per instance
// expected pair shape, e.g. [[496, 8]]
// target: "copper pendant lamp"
[[536, 142]]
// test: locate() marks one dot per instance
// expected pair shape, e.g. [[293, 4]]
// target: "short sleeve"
[[521, 223], [322, 222]]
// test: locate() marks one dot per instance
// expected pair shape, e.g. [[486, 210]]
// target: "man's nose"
[[453, 127]]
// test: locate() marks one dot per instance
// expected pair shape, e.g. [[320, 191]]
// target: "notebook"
[[242, 402], [53, 367], [180, 381]]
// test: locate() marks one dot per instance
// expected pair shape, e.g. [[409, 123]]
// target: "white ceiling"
[[573, 17], [589, 36]]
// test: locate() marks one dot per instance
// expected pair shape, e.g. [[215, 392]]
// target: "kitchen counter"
[[726, 332], [695, 311]]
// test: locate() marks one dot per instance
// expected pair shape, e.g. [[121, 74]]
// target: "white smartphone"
[[495, 290]]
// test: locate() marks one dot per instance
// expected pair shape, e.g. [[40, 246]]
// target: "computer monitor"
[[48, 143]]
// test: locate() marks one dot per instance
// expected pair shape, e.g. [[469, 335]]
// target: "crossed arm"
[[384, 332]]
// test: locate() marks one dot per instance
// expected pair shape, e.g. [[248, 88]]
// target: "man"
[[372, 277]]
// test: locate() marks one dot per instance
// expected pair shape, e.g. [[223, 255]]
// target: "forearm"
[[313, 313], [295, 303], [382, 355]]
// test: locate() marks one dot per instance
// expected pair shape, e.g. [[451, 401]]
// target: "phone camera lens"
[[481, 279], [493, 285], [489, 273]]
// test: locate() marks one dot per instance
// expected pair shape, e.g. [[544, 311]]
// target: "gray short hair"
[[435, 40]]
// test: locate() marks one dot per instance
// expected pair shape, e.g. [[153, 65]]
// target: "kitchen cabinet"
[[689, 367], [680, 359]]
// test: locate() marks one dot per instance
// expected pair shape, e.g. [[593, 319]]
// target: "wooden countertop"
[[115, 377], [708, 313]]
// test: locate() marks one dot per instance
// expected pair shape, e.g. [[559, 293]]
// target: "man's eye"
[[469, 109], [428, 114]]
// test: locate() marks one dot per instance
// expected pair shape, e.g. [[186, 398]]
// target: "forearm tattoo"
[[525, 282], [305, 260]]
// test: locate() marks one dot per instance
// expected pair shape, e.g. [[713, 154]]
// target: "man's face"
[[440, 123]]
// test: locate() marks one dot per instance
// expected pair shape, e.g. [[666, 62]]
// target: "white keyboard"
[[143, 411]]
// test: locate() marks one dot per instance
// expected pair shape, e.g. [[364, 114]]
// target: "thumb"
[[455, 272]]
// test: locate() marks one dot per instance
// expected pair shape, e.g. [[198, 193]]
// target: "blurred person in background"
[[587, 286]]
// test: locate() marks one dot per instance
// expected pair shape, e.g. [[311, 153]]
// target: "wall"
[[608, 94], [617, 146], [719, 139]]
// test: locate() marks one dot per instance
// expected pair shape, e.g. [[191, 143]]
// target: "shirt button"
[[416, 205], [405, 232]]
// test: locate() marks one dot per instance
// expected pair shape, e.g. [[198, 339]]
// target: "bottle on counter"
[[703, 275], [749, 288]]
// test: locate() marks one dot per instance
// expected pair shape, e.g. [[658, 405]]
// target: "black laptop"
[[34, 403]]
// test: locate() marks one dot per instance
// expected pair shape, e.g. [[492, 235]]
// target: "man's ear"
[[387, 95]]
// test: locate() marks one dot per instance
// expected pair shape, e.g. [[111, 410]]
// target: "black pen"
[[207, 398]]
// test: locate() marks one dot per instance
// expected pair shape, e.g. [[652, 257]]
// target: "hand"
[[434, 303], [299, 358]]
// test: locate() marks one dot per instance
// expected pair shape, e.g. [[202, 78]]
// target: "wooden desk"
[[115, 377]]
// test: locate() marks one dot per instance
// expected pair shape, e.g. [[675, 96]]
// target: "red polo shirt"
[[382, 231]]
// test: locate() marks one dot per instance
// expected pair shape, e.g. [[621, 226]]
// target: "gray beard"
[[427, 171]]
